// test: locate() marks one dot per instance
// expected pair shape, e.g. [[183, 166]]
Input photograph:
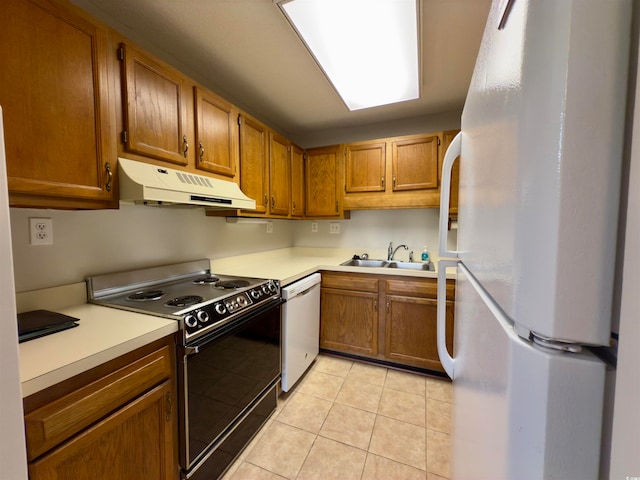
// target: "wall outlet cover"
[[40, 231], [269, 227], [334, 228], [314, 227]]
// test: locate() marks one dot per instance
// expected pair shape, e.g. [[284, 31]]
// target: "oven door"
[[222, 376]]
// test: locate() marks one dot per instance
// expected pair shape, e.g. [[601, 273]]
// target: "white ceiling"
[[246, 51]]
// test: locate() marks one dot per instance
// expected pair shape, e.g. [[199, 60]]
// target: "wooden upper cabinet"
[[322, 182], [59, 118], [254, 166], [365, 165], [447, 138], [155, 118], [415, 163], [279, 174], [216, 134], [297, 182]]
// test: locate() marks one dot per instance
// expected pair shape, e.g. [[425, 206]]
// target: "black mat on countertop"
[[39, 323]]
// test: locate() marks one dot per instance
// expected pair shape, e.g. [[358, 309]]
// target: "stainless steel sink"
[[365, 263], [412, 266], [354, 262]]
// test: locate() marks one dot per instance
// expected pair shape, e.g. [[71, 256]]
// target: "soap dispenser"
[[425, 254]]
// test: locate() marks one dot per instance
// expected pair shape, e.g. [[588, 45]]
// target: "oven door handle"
[[191, 350]]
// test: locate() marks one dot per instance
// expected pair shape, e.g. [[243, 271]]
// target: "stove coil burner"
[[206, 280], [145, 295], [185, 301], [227, 284]]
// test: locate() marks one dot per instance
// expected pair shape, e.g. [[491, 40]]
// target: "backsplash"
[[94, 242]]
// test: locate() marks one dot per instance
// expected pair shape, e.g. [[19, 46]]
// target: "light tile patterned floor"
[[351, 420]]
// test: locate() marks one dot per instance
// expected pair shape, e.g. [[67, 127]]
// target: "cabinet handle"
[[394, 181], [337, 209], [185, 146], [387, 307], [375, 305], [294, 205], [169, 405], [201, 151], [273, 201], [110, 175], [382, 182], [266, 200]]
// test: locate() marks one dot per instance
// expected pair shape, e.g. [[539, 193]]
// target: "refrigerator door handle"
[[453, 152], [446, 359]]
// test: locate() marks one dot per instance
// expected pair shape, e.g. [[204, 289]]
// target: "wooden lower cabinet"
[[115, 422], [349, 321], [385, 318]]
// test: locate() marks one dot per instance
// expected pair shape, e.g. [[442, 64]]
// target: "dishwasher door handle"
[[304, 292]]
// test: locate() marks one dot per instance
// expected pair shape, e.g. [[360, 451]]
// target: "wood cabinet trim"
[[51, 424], [158, 403]]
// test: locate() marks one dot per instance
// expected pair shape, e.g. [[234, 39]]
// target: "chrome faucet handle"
[[390, 251], [411, 256], [364, 256]]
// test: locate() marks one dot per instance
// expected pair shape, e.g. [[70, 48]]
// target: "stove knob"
[[220, 309], [202, 316], [190, 320], [272, 287], [242, 301], [255, 294], [265, 289]]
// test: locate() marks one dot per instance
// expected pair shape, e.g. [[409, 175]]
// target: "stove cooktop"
[[187, 292]]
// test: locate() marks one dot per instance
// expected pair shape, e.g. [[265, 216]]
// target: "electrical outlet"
[[334, 228], [269, 227], [314, 227], [41, 231]]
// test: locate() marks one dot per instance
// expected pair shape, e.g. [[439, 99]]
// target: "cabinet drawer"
[[360, 283], [53, 423], [420, 288]]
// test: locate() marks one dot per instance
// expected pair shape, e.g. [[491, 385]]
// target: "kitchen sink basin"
[[356, 262], [412, 266]]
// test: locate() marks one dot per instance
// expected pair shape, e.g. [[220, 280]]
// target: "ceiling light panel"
[[367, 48]]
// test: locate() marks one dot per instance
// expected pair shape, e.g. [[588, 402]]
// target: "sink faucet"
[[391, 252]]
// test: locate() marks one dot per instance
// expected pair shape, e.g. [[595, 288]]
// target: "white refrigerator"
[[540, 148]]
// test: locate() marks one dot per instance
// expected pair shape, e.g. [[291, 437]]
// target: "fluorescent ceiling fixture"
[[367, 48]]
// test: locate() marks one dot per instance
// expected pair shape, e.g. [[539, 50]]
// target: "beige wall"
[[94, 242]]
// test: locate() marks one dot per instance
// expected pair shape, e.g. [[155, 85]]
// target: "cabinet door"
[[216, 135], [349, 321], [297, 182], [365, 167], [415, 163], [279, 175], [322, 188], [447, 138], [137, 441], [58, 115], [410, 331], [154, 108], [254, 170]]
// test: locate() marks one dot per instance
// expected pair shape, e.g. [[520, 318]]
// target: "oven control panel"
[[233, 305]]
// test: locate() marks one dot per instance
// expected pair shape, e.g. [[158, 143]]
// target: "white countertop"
[[102, 335], [291, 264], [106, 333]]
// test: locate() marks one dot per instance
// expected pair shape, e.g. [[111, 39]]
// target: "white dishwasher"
[[300, 328]]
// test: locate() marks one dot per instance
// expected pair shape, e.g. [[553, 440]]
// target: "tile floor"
[[351, 420]]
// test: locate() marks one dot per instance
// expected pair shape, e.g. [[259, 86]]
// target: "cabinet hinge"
[[239, 119], [438, 141], [124, 136], [121, 53]]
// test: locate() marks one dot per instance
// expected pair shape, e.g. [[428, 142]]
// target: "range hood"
[[153, 185]]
